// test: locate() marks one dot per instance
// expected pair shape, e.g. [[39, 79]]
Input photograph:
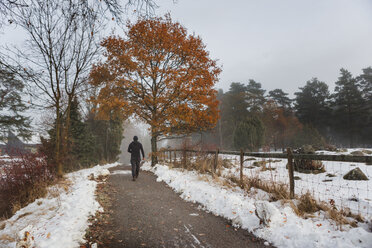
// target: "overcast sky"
[[280, 43]]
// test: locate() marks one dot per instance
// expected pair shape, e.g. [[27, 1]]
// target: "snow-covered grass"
[[330, 185], [348, 151], [61, 218], [284, 228]]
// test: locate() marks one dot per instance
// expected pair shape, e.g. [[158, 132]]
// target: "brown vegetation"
[[23, 180]]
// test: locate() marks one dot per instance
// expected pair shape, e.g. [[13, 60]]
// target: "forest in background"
[[252, 118]]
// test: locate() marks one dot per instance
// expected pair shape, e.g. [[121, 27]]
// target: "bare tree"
[[63, 42], [115, 7]]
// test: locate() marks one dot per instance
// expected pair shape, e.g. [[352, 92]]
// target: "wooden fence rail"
[[339, 158]]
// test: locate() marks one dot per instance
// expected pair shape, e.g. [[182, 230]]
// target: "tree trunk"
[[65, 132], [58, 142], [154, 149], [220, 133]]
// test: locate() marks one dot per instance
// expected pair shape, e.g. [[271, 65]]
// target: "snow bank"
[[60, 219], [283, 228]]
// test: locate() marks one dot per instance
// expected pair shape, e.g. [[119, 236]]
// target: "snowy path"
[[147, 213]]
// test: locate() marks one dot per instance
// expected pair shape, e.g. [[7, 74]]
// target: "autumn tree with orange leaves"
[[281, 127], [161, 75]]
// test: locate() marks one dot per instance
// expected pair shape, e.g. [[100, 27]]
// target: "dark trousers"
[[135, 167]]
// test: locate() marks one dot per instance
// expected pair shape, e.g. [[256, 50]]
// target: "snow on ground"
[[60, 219], [122, 172], [330, 185], [347, 151], [285, 228]]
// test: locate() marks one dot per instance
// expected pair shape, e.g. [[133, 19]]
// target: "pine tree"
[[80, 144], [11, 105], [348, 104], [233, 109], [107, 135], [365, 82], [312, 104], [281, 99], [255, 98]]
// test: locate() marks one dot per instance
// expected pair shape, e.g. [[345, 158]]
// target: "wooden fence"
[[290, 156]]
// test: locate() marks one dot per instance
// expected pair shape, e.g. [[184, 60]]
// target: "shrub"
[[23, 179]]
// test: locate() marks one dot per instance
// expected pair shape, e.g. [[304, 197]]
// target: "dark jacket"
[[134, 149]]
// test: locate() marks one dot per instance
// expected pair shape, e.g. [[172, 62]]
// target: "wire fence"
[[328, 178]]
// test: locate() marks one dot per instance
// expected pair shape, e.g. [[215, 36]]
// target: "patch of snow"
[[347, 151], [285, 228], [101, 172], [60, 219], [122, 172]]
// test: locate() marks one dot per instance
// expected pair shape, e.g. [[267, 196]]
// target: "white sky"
[[280, 43]]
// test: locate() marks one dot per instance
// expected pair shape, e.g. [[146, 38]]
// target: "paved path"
[[149, 214]]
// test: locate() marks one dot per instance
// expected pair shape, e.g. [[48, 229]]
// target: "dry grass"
[[23, 215], [259, 163], [35, 191], [6, 237], [2, 224], [203, 163], [277, 191], [307, 205]]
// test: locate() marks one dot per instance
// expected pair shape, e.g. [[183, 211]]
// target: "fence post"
[[290, 171], [184, 158], [175, 157], [241, 167], [215, 160], [170, 156]]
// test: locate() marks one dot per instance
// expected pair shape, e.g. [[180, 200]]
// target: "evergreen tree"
[[80, 144], [233, 109], [11, 105], [312, 105], [249, 134], [365, 82], [281, 99], [350, 115], [107, 135], [256, 98]]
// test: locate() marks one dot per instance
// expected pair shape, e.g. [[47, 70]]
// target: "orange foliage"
[[160, 75], [280, 127]]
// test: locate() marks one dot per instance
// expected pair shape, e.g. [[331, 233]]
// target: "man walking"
[[134, 149]]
